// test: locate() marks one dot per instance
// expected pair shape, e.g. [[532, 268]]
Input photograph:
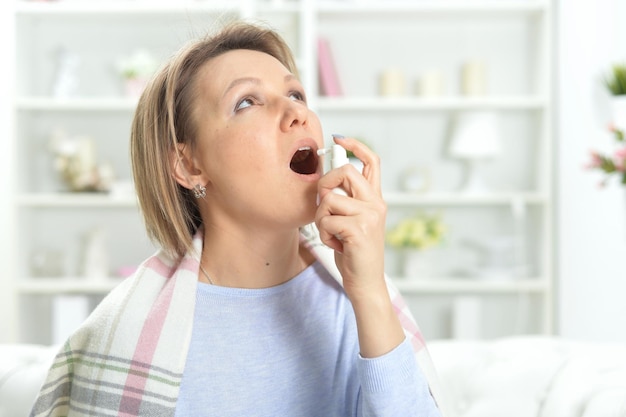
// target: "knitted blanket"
[[128, 358]]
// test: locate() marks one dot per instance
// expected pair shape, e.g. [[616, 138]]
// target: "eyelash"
[[252, 100], [300, 95]]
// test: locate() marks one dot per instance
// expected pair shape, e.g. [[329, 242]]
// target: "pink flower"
[[620, 154], [595, 161]]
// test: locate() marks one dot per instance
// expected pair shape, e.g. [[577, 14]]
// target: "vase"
[[419, 263], [133, 87], [618, 107]]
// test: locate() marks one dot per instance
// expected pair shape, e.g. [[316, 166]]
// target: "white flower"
[[140, 64]]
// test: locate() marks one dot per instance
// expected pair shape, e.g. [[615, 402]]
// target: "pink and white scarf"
[[128, 358]]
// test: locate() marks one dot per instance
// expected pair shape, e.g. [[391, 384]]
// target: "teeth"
[[305, 148]]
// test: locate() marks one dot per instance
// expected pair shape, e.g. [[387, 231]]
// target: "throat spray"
[[339, 158]]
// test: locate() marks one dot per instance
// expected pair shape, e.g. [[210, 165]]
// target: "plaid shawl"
[[128, 358]]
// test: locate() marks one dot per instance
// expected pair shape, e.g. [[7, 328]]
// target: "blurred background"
[[497, 123]]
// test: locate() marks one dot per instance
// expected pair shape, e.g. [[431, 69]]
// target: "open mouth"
[[304, 161]]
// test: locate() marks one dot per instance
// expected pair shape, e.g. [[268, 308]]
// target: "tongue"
[[304, 161]]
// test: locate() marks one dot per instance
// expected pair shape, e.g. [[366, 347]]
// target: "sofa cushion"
[[591, 383], [22, 370], [532, 376], [494, 378]]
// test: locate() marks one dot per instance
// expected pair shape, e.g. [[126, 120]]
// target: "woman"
[[242, 312]]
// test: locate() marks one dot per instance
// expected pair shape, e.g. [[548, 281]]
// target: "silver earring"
[[199, 191]]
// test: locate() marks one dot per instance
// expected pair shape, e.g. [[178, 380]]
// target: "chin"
[[309, 209]]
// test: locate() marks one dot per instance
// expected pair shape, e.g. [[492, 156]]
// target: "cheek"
[[239, 154], [316, 126]]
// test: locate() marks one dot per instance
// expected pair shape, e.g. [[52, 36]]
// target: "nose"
[[294, 114]]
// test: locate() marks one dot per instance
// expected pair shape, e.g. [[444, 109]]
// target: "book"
[[328, 77]]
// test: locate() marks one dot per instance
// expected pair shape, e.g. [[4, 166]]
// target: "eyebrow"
[[239, 81], [252, 80]]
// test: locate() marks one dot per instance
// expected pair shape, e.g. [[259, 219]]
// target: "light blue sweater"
[[292, 350]]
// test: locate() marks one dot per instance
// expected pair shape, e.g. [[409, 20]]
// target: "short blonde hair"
[[164, 118]]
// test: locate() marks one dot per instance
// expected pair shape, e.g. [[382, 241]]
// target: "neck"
[[251, 258]]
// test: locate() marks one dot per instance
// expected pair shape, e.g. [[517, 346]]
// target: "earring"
[[199, 191]]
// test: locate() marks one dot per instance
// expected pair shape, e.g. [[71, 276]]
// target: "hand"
[[354, 226]]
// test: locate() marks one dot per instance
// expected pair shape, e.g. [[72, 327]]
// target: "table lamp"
[[475, 138]]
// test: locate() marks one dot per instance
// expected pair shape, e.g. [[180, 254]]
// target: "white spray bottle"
[[339, 158]]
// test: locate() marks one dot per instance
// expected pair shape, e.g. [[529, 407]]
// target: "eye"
[[244, 103], [297, 96]]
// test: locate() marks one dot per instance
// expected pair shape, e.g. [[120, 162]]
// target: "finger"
[[370, 160], [331, 231], [343, 220], [333, 204], [348, 179]]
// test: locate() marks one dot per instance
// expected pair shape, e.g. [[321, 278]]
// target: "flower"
[[75, 160], [619, 158], [138, 65], [421, 231], [611, 165]]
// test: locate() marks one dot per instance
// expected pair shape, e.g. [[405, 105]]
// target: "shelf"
[[51, 200], [78, 285], [444, 103], [69, 200], [117, 7], [278, 7], [433, 6], [444, 29], [322, 103], [74, 7], [76, 104], [66, 285], [459, 199], [470, 286]]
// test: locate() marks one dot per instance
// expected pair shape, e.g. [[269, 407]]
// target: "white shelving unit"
[[377, 104], [366, 37], [410, 132]]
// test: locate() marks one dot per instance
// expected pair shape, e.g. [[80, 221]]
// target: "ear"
[[185, 168]]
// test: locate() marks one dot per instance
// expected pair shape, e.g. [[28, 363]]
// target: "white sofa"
[[532, 376], [22, 370], [513, 377]]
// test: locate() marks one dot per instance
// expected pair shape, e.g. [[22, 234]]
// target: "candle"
[[474, 78], [392, 83], [431, 84]]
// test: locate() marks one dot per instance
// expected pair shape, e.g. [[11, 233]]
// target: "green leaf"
[[616, 80], [607, 165]]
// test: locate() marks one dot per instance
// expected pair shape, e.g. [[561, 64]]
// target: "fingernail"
[[338, 136]]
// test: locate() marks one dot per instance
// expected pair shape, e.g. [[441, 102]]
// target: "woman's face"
[[257, 141]]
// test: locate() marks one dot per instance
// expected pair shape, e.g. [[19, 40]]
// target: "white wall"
[[591, 221], [7, 303]]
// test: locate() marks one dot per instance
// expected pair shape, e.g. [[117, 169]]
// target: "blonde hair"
[[164, 119]]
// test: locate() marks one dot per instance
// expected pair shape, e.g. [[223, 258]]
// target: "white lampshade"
[[475, 135]]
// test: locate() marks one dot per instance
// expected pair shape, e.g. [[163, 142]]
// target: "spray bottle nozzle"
[[339, 155]]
